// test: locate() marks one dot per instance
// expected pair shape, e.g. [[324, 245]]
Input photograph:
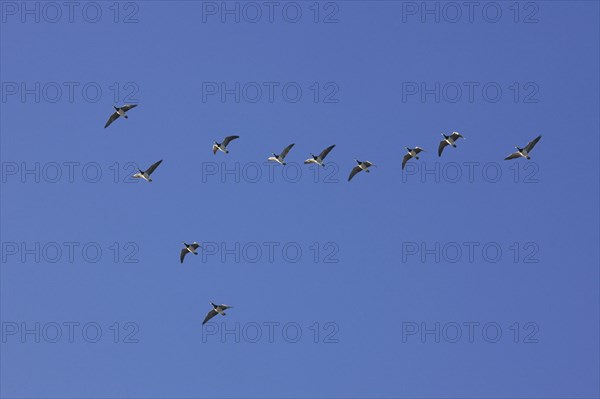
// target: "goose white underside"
[[311, 160], [220, 148], [276, 159], [143, 176]]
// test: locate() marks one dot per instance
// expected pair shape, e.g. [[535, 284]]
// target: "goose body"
[[217, 309], [411, 153], [223, 146], [146, 173], [365, 165], [449, 140], [189, 248], [280, 159], [119, 111], [524, 152], [318, 159]]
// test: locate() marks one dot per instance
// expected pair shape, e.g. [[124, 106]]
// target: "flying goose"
[[119, 112], [412, 153], [280, 158], [319, 159], [223, 146], [524, 152], [189, 248], [217, 309], [449, 140], [360, 167], [146, 174]]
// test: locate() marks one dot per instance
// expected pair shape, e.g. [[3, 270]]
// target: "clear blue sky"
[[379, 289]]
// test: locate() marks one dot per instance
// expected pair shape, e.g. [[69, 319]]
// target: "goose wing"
[[153, 167], [195, 246], [112, 118], [215, 148], [456, 135], [228, 139], [209, 316], [184, 252], [286, 150], [513, 156], [443, 145], [354, 171], [417, 150], [127, 107], [326, 151], [532, 143], [405, 160]]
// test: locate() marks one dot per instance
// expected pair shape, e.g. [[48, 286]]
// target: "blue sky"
[[368, 264]]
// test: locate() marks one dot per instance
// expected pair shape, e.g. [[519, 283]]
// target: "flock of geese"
[[316, 159]]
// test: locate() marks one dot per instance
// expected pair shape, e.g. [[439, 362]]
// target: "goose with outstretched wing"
[[411, 153], [280, 159], [189, 248], [449, 140], [145, 174], [223, 146], [362, 165], [524, 152], [217, 309], [119, 111], [318, 159]]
